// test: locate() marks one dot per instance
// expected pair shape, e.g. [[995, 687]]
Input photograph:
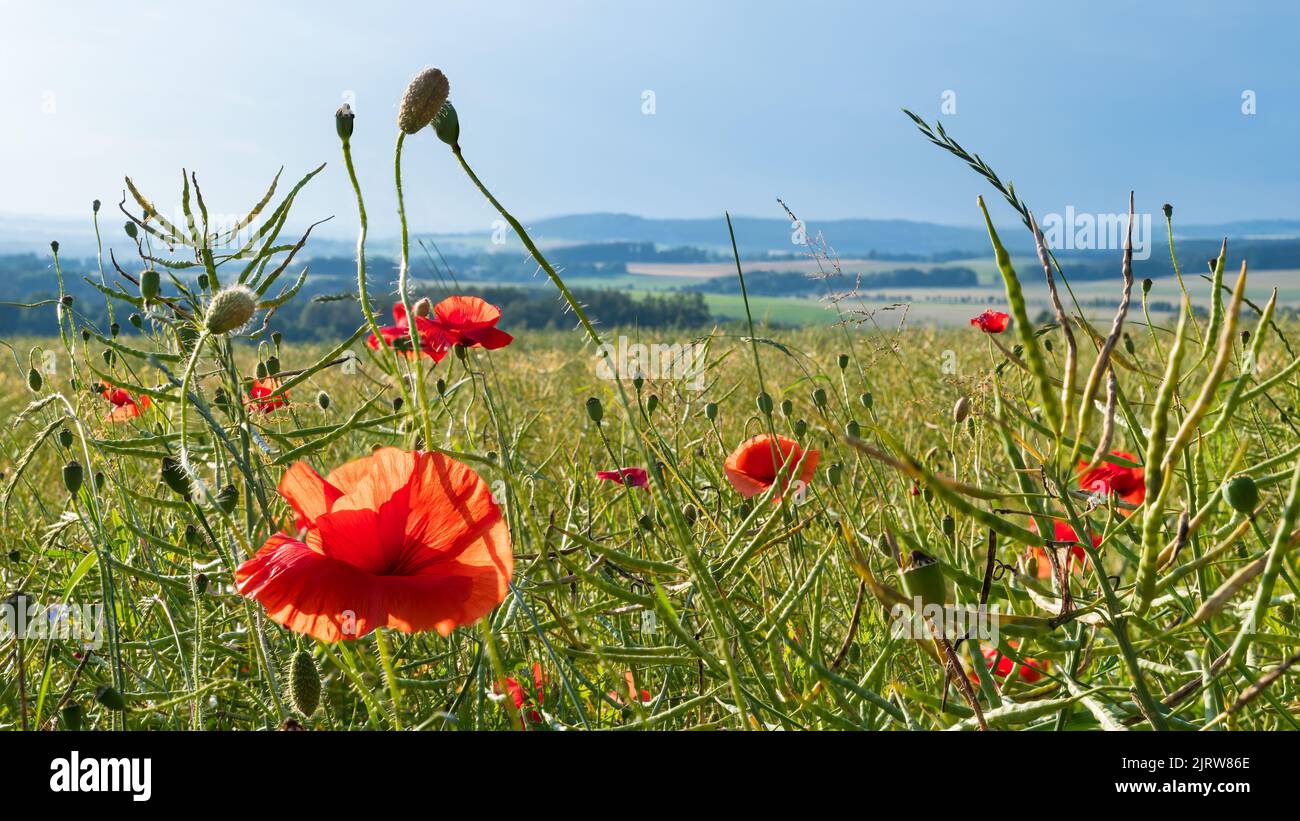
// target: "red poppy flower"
[[991, 321], [752, 467], [407, 540], [1064, 533], [526, 693], [125, 406], [260, 396], [632, 477], [434, 341], [633, 693], [1029, 670], [1127, 483], [471, 322]]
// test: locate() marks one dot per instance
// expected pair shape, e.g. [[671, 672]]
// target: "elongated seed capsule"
[[1252, 364], [1071, 347], [304, 683], [1024, 330], [1155, 483], [1272, 569], [1107, 423], [1211, 385], [1216, 297], [1116, 327]]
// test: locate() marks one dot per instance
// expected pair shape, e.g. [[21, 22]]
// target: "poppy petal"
[[308, 493]]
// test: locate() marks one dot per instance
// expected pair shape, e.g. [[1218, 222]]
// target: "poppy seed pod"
[[343, 119], [227, 498], [711, 411], [923, 580], [447, 125], [72, 476], [422, 100], [174, 476], [150, 283], [594, 410], [304, 683], [229, 309], [1242, 494]]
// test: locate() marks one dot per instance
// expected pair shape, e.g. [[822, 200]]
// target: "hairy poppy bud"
[[423, 99], [1169, 211], [834, 474], [800, 427], [447, 125], [422, 307], [227, 498], [867, 400], [1146, 286], [72, 476], [1242, 494], [94, 206], [272, 365], [961, 410], [54, 246], [397, 403], [594, 410], [174, 476], [65, 438], [260, 370], [343, 121], [923, 579], [787, 408], [711, 411], [651, 403], [819, 397], [304, 683], [949, 526], [110, 697], [853, 429], [131, 230], [34, 380], [323, 400], [276, 336], [844, 361], [150, 283], [765, 403], [229, 309], [203, 282]]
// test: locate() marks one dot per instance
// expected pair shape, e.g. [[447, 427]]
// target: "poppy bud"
[[100, 479], [1128, 345], [201, 582], [800, 427], [272, 365], [441, 386], [203, 282], [110, 697], [261, 370], [651, 403], [422, 100], [150, 283], [276, 337], [1242, 494], [54, 246], [853, 429], [192, 537], [174, 476], [304, 683], [85, 334], [637, 382], [94, 206], [422, 307], [447, 125], [1146, 286], [131, 230], [397, 403], [646, 523], [961, 410], [323, 400], [114, 330], [107, 354], [691, 513], [949, 526], [343, 119], [765, 403], [594, 410], [819, 397], [229, 309], [844, 361], [834, 473], [34, 380], [1245, 338], [65, 438], [711, 411], [71, 717], [1169, 211], [923, 579], [72, 476], [787, 408], [227, 498]]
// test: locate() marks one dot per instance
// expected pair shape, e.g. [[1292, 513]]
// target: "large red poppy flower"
[[471, 322], [125, 406], [407, 540], [1029, 670], [1063, 533], [752, 467], [1127, 483], [531, 693], [991, 321], [262, 396], [632, 477], [434, 341]]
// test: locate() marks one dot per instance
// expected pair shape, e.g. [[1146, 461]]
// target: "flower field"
[[440, 523]]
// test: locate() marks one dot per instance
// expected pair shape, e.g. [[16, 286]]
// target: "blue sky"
[[1077, 103]]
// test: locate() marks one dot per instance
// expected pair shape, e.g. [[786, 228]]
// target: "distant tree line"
[[797, 283]]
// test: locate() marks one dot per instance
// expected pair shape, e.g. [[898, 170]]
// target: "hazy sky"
[[1075, 102]]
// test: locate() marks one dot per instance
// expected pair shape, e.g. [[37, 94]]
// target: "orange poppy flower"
[[752, 467], [260, 396], [407, 540], [125, 406], [1128, 484]]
